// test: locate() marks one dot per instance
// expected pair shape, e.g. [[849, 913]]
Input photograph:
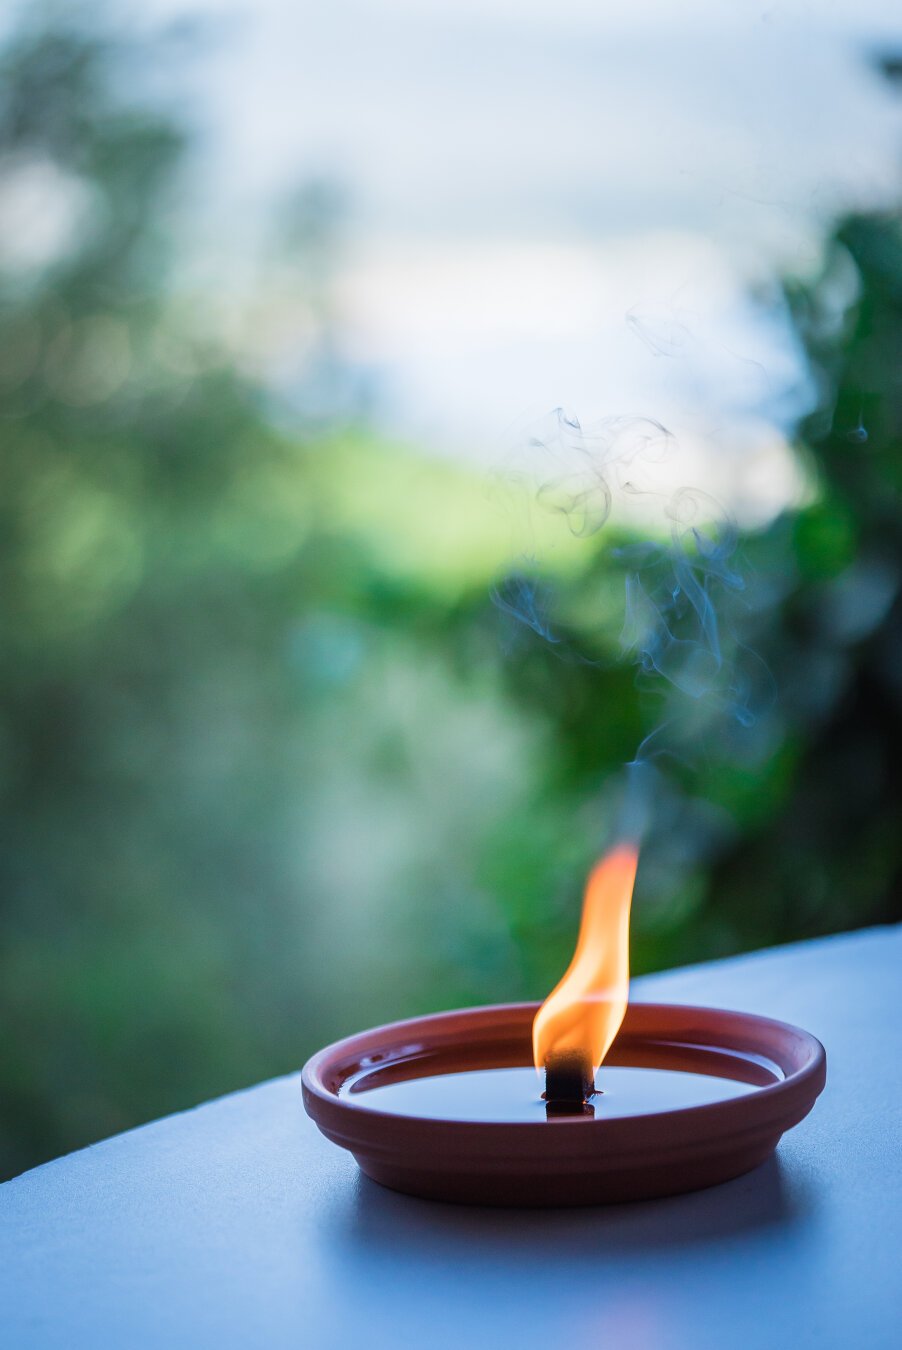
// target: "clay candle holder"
[[450, 1107]]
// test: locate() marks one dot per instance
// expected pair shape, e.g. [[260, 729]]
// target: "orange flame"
[[583, 1013]]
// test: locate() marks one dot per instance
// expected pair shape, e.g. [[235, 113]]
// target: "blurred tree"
[[790, 829], [234, 758], [266, 770], [129, 619], [828, 853]]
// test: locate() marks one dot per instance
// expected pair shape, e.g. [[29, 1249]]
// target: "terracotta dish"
[[570, 1160]]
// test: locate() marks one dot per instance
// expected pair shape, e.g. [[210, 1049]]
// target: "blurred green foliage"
[[268, 771]]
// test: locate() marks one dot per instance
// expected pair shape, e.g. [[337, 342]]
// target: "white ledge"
[[238, 1225]]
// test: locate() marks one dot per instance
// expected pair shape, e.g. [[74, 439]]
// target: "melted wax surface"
[[505, 1095]]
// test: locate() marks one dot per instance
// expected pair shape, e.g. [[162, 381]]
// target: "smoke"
[[683, 588], [674, 595], [523, 598]]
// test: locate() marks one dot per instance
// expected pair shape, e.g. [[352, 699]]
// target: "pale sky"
[[556, 203]]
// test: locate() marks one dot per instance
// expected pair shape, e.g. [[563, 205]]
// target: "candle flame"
[[584, 1011]]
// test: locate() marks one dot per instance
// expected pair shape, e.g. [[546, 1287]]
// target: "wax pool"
[[515, 1094]]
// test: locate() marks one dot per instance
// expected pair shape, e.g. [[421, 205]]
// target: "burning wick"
[[576, 1025], [569, 1083]]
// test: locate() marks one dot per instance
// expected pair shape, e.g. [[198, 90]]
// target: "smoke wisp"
[[683, 585]]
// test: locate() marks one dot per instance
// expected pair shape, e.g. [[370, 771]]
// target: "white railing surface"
[[238, 1225]]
